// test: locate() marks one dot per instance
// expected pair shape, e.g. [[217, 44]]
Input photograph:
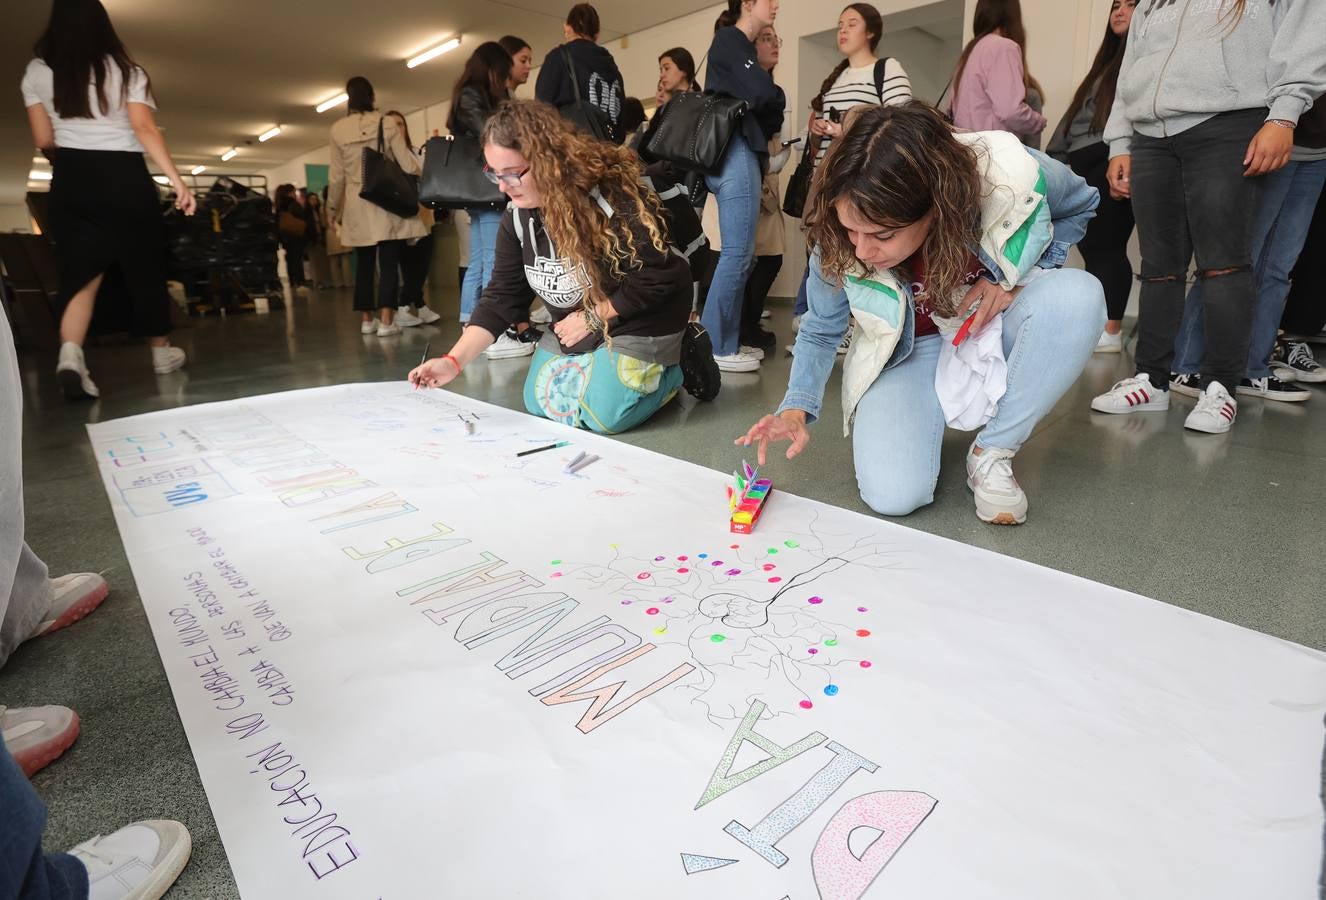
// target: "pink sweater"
[[992, 95]]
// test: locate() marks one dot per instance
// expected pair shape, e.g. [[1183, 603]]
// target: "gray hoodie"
[[1184, 64]]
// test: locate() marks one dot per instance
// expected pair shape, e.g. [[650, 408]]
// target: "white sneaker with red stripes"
[[1215, 410], [1136, 394]]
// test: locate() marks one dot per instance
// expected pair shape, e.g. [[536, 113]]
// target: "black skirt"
[[106, 219]]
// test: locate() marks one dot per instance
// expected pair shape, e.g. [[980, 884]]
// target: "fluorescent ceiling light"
[[229, 155], [424, 57], [332, 101], [269, 134], [38, 175], [161, 179], [198, 170]]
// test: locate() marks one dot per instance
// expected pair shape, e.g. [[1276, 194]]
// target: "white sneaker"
[[1215, 410], [540, 315], [1110, 343], [36, 735], [752, 351], [389, 330], [167, 359], [139, 862], [427, 316], [507, 347], [999, 497], [369, 327], [1131, 395], [741, 361], [72, 597], [766, 315], [405, 318], [71, 371]]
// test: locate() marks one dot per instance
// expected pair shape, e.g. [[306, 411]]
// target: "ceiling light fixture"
[[332, 101], [161, 179], [437, 51], [229, 155], [269, 134], [198, 170], [39, 175]]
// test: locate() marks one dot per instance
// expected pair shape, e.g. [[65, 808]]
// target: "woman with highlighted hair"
[[946, 249], [588, 237]]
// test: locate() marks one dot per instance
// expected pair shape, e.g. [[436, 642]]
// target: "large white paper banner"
[[413, 664]]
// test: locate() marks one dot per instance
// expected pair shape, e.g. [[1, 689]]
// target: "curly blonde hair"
[[566, 165], [895, 164]]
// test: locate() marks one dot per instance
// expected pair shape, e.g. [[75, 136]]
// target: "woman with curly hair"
[[588, 238], [946, 249]]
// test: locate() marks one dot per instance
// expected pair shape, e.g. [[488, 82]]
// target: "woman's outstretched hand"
[[434, 373], [789, 425]]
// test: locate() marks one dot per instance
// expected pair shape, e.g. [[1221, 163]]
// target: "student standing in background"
[[991, 83], [596, 72], [522, 60]]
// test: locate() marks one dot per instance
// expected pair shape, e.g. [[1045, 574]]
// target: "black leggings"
[[415, 261], [759, 281], [385, 257], [1104, 247]]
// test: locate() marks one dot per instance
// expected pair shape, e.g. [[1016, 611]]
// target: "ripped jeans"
[[1191, 200]]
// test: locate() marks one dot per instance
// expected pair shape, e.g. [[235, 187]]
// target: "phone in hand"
[[789, 143], [835, 115]]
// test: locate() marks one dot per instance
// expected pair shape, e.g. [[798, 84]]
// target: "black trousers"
[[415, 260], [1305, 310], [294, 260], [1104, 247], [759, 281], [1191, 200], [385, 257]]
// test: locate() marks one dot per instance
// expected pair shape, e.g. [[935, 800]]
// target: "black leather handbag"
[[453, 176], [798, 186], [386, 184], [694, 131], [585, 116]]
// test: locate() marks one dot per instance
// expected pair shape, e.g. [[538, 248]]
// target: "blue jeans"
[[1279, 228], [736, 188], [25, 872], [1050, 332], [484, 224]]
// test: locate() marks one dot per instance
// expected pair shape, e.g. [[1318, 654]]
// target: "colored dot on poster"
[[668, 599], [791, 545], [831, 642], [613, 546], [555, 562], [775, 580], [683, 570], [682, 558], [831, 690], [652, 611], [863, 632], [702, 555], [555, 575], [717, 562], [642, 576], [805, 704], [812, 651], [773, 551], [734, 546], [815, 600], [658, 558], [865, 664], [769, 567], [626, 603], [662, 629], [717, 638], [862, 609]]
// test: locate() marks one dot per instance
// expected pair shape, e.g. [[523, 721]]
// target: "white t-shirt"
[[109, 132], [856, 87]]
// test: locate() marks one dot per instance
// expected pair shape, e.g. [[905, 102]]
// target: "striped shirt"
[[856, 87]]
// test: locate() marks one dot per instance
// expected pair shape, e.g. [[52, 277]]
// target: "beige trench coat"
[[361, 223]]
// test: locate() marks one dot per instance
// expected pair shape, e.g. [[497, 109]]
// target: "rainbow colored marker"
[[747, 500]]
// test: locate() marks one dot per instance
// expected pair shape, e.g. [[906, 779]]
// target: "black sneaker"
[[700, 375], [1292, 361], [1187, 385], [765, 340], [1272, 388]]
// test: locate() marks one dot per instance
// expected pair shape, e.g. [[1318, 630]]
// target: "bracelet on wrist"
[[1283, 123], [451, 359]]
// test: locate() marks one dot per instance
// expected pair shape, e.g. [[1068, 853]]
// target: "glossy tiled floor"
[[1226, 526]]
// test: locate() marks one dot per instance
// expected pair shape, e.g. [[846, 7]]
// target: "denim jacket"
[[1033, 210]]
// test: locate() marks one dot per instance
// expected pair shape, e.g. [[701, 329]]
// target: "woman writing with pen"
[[946, 249], [584, 234]]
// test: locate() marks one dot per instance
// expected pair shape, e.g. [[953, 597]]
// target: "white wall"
[[14, 217]]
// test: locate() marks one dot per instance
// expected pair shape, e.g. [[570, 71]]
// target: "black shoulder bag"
[[453, 176], [584, 116], [386, 184]]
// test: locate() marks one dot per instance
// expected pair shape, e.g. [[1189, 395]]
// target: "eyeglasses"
[[771, 39], [511, 180]]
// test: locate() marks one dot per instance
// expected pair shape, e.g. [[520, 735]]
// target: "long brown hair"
[[874, 27], [565, 166], [1104, 75], [1006, 16], [77, 43], [487, 70], [895, 164]]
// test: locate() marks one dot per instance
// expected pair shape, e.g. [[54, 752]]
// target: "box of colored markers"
[[746, 499]]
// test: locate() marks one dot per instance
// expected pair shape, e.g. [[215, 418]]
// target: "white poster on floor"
[[413, 663]]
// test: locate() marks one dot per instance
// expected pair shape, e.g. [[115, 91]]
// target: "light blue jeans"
[[1279, 228], [1050, 332], [484, 224], [736, 188]]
